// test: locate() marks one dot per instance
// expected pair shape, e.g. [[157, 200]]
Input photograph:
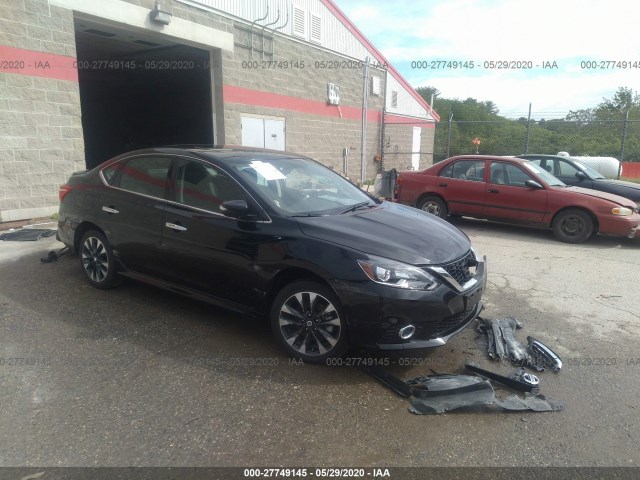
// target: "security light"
[[160, 16]]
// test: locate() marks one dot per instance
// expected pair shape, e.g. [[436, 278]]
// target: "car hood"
[[598, 194], [392, 231], [621, 185]]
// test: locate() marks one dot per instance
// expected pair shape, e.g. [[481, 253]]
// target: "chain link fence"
[[602, 138]]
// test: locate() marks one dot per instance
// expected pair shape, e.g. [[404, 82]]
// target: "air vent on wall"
[[148, 44], [316, 28], [375, 85], [299, 24], [99, 32], [394, 99]]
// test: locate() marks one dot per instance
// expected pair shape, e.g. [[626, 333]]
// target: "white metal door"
[[274, 134], [415, 148], [252, 132]]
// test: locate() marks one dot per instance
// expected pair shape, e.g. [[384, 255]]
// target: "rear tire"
[[97, 260], [433, 205], [572, 226], [307, 320]]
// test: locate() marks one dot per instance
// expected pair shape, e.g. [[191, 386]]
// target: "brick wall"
[[40, 131]]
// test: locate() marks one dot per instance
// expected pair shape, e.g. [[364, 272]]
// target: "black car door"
[[202, 248], [130, 209]]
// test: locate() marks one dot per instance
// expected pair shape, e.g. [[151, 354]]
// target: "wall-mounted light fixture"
[[160, 16]]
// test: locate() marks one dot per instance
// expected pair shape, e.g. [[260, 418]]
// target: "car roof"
[[487, 157], [529, 156], [212, 152]]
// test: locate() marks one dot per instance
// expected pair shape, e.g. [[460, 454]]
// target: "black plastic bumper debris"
[[441, 393], [444, 393], [501, 337]]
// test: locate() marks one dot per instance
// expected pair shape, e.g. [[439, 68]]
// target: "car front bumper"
[[628, 226], [376, 313]]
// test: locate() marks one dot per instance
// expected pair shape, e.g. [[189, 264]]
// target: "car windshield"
[[594, 174], [300, 186], [544, 175]]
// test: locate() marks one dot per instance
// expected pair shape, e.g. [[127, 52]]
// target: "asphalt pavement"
[[136, 376]]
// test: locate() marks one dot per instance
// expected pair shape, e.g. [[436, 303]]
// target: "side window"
[[514, 176], [472, 170], [110, 173], [447, 171], [543, 163], [565, 169], [203, 186], [146, 175]]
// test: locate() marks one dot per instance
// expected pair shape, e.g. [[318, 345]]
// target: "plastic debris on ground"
[[502, 343], [440, 393]]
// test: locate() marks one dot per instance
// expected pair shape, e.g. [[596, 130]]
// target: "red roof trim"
[[333, 8]]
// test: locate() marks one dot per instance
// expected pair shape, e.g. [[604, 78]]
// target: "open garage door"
[[139, 90]]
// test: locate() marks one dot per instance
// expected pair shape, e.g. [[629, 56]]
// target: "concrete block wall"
[[399, 143], [41, 140]]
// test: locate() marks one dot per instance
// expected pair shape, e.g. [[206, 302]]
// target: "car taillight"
[[63, 190]]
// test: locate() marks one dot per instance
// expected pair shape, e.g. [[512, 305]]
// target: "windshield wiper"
[[353, 208]]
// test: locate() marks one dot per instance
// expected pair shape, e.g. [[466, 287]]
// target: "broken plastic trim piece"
[[501, 339], [441, 393], [444, 393], [388, 379], [509, 382], [543, 355]]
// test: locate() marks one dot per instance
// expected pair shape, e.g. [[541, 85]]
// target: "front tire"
[[97, 260], [307, 320], [433, 205], [572, 226]]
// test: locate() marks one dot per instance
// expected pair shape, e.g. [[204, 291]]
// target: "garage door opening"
[[139, 91]]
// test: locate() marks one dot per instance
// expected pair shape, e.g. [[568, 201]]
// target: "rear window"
[[144, 175], [109, 173]]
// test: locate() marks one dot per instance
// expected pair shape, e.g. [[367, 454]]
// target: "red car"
[[514, 190]]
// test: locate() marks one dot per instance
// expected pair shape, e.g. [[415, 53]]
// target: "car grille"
[[451, 324], [459, 269]]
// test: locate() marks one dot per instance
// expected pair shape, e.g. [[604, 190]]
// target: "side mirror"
[[580, 175], [533, 184], [234, 208]]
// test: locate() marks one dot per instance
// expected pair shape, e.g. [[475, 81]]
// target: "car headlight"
[[397, 274], [623, 211]]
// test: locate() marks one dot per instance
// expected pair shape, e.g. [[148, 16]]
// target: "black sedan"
[[271, 233], [574, 172]]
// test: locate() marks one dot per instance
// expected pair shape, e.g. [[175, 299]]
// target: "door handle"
[[109, 210], [177, 228], [442, 184], [493, 190]]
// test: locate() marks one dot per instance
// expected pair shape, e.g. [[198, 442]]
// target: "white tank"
[[607, 166]]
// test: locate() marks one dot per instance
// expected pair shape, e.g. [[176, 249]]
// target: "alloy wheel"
[[310, 323], [95, 259]]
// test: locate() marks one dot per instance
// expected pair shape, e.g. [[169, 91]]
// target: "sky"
[[576, 35]]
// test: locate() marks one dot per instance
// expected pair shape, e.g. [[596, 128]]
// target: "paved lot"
[[137, 376]]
